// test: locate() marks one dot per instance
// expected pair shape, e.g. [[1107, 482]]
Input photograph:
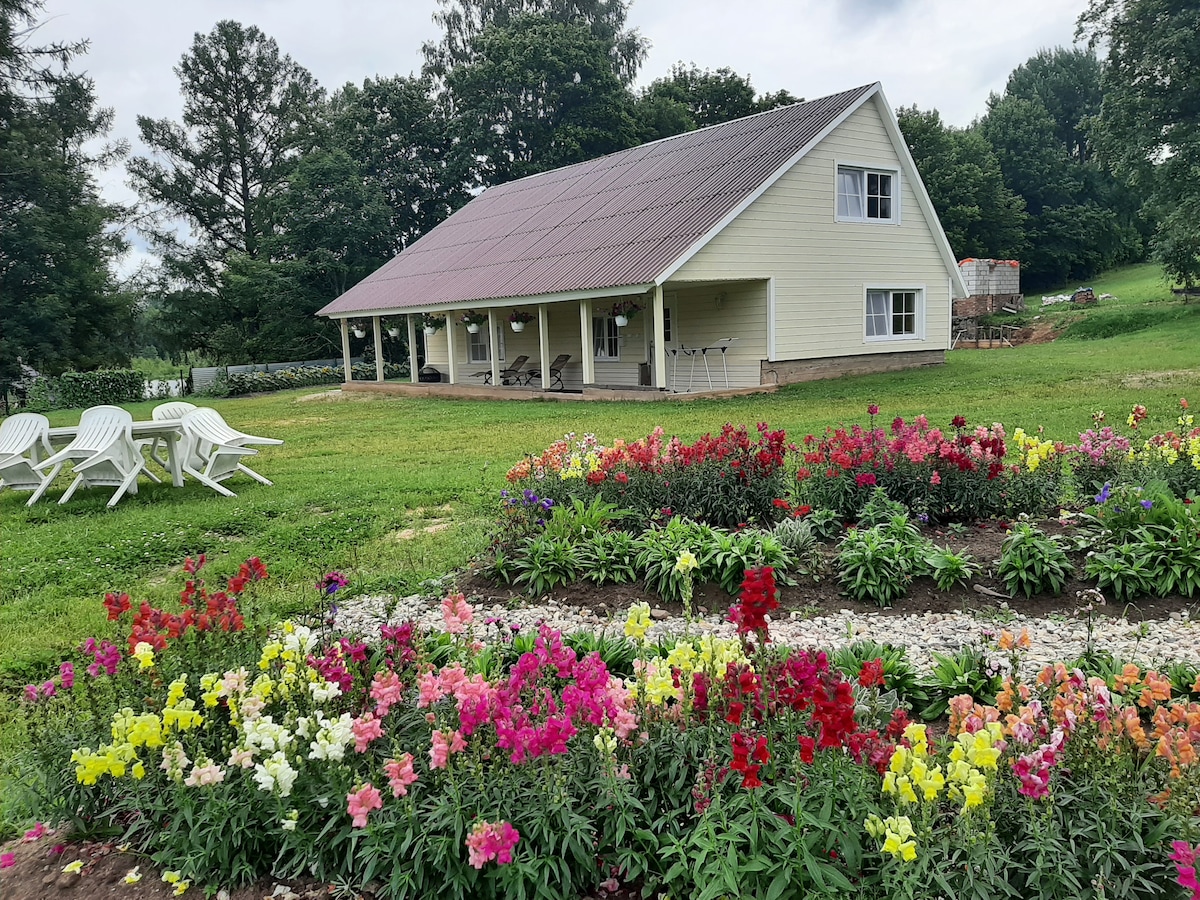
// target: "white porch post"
[[585, 333], [660, 340], [544, 344], [346, 350], [412, 347], [494, 347], [375, 323], [451, 356]]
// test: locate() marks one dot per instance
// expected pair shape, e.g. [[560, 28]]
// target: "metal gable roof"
[[619, 220]]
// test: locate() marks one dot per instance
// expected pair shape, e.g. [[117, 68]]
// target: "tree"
[[1066, 81], [980, 215], [1148, 129], [400, 135], [247, 109], [538, 95], [464, 21], [333, 229], [58, 305], [692, 98]]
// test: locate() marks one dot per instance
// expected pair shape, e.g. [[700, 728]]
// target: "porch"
[[693, 338]]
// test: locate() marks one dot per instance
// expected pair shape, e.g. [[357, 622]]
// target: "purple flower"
[[504, 494], [1147, 504], [1105, 493], [547, 503], [331, 583]]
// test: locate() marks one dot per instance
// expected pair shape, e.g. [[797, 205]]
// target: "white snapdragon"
[[266, 735], [332, 737], [324, 691], [275, 774]]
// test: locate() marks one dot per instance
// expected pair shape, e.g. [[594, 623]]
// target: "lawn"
[[358, 481]]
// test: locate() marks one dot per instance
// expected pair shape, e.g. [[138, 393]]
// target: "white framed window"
[[867, 195], [606, 338], [479, 348], [895, 314], [667, 325]]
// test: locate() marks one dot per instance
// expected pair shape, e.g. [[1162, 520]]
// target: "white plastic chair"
[[22, 438], [168, 412], [212, 457], [103, 454]]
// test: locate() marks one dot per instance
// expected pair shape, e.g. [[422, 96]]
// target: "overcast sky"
[[943, 54]]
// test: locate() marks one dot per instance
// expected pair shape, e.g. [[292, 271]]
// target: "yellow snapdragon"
[[637, 623]]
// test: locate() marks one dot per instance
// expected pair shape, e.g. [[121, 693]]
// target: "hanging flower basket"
[[518, 319], [474, 320], [393, 331], [359, 329], [624, 310], [431, 323]]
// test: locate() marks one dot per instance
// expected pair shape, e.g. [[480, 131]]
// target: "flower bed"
[[441, 763]]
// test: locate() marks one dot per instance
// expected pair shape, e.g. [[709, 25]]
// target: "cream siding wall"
[[821, 267]]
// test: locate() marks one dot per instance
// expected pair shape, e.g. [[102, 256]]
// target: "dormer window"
[[866, 195]]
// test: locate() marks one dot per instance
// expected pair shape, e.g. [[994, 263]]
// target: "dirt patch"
[[821, 595], [1037, 333], [407, 534], [1159, 379]]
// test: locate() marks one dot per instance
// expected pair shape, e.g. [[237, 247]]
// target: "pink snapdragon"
[[36, 833], [444, 744], [366, 728], [1184, 857], [400, 774], [105, 655], [66, 674], [457, 613], [360, 802], [491, 840], [7, 860], [205, 775], [387, 691]]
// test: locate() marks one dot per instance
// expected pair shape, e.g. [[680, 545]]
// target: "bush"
[[306, 376], [102, 387], [1032, 562]]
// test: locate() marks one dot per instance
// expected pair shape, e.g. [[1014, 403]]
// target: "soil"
[[38, 875], [813, 597]]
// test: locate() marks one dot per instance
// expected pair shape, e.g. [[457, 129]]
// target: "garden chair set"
[[106, 450]]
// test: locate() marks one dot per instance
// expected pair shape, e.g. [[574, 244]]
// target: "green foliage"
[[1123, 571], [609, 557], [77, 390], [899, 675], [969, 671], [1031, 562], [950, 569], [303, 376], [576, 521], [879, 509], [546, 563], [690, 98], [659, 549], [873, 566]]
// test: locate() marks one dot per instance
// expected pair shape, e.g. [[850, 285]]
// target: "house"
[[793, 244]]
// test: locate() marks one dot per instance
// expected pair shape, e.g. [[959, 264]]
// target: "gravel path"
[[1149, 643]]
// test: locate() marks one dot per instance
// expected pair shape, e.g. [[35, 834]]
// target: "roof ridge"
[[683, 134]]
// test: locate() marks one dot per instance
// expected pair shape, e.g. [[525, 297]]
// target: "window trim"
[[615, 336], [919, 313], [867, 169], [486, 339]]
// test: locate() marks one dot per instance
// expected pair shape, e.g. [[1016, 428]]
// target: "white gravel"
[[1054, 638]]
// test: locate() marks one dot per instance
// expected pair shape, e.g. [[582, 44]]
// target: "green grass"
[[354, 475]]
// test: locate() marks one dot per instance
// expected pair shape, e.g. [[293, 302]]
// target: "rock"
[[659, 615], [66, 880]]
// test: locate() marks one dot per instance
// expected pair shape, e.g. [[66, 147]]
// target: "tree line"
[[271, 195]]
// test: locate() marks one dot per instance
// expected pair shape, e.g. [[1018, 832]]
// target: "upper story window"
[[866, 195], [894, 314]]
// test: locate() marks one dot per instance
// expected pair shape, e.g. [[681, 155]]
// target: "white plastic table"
[[170, 431], [723, 344]]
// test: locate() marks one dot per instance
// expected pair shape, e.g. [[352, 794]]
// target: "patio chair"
[[167, 412], [211, 458], [103, 454], [555, 371], [208, 430], [512, 374], [22, 438]]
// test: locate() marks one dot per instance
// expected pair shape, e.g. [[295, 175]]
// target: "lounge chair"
[[103, 454], [167, 412], [210, 458], [555, 371], [509, 375], [206, 433], [23, 437]]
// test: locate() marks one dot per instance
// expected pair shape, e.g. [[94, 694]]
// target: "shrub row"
[[305, 376]]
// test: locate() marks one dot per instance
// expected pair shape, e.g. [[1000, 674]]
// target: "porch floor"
[[518, 392]]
